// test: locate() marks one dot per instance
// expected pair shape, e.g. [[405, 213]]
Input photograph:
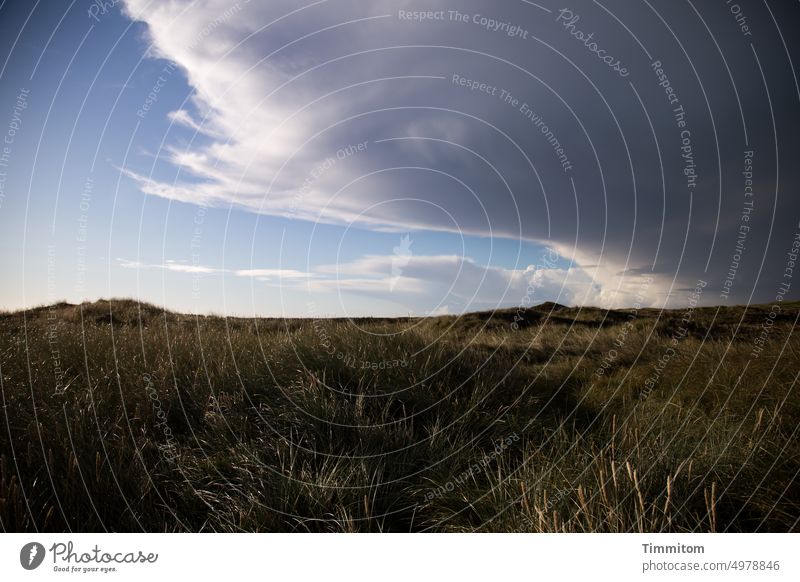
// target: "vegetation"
[[120, 416]]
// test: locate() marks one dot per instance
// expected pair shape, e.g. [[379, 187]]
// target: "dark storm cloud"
[[616, 133]]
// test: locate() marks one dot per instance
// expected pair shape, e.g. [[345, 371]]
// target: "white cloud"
[[179, 267], [273, 273], [430, 282], [278, 92], [442, 310]]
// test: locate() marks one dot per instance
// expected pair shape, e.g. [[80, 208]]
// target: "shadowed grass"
[[120, 416]]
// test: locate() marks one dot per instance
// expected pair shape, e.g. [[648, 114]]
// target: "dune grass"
[[120, 416]]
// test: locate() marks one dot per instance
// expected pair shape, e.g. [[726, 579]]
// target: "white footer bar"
[[388, 557]]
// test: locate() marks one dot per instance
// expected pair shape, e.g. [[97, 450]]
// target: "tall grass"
[[119, 416]]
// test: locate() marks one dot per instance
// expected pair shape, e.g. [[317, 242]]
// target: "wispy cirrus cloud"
[[427, 283], [182, 267]]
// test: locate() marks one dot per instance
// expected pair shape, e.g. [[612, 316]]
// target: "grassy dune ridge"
[[121, 416]]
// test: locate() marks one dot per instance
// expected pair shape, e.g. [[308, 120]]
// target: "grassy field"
[[120, 416]]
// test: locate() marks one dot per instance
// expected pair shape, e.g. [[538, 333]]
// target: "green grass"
[[120, 416]]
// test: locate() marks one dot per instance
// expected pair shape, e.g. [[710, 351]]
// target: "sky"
[[387, 158]]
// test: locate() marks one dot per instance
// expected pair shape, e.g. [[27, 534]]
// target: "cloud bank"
[[493, 120]]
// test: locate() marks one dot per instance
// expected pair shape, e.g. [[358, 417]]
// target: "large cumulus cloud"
[[465, 127]]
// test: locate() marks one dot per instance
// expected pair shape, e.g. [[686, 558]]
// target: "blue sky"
[[241, 188]]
